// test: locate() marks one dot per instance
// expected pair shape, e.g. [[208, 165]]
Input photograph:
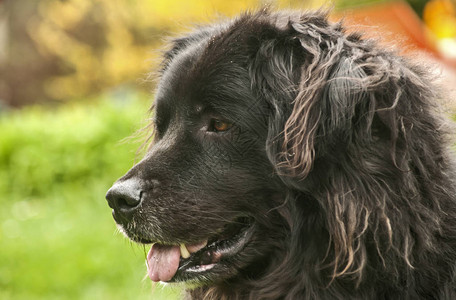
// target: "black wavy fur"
[[338, 153]]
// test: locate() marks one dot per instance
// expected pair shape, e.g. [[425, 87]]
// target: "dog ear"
[[313, 86], [323, 110]]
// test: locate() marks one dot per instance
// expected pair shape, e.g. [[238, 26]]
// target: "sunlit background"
[[74, 86]]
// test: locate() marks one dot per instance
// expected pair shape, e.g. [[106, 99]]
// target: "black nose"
[[124, 197]]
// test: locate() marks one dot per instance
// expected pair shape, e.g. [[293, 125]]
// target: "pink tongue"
[[162, 262]]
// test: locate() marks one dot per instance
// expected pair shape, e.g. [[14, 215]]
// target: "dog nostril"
[[126, 201], [124, 196], [121, 198]]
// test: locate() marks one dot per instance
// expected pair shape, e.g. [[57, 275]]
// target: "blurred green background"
[[74, 87]]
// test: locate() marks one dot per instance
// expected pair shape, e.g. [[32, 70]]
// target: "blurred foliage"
[[57, 234], [353, 3], [440, 17], [74, 48]]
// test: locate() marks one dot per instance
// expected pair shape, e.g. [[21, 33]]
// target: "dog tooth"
[[195, 247], [184, 252]]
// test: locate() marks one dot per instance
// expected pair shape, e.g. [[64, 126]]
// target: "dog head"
[[250, 116]]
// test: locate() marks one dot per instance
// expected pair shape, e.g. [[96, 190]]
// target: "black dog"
[[291, 160]]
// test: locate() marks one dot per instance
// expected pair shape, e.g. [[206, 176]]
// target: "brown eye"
[[219, 125]]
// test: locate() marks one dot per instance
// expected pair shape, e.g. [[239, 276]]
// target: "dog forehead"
[[176, 75], [198, 77]]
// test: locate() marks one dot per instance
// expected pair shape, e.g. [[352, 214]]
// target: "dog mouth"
[[197, 261]]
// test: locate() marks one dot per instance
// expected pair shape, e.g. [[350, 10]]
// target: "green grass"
[[57, 237]]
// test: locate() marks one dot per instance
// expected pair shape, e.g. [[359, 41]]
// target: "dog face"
[[206, 182]]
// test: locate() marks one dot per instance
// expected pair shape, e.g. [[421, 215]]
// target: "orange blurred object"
[[394, 23]]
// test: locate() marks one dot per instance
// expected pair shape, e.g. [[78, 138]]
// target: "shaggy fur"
[[336, 153]]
